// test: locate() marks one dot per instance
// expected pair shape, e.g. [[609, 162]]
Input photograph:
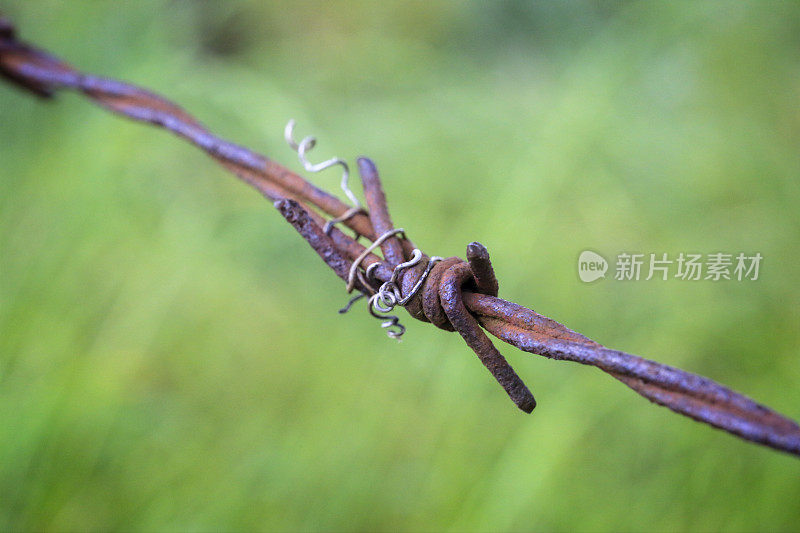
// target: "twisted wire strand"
[[388, 295], [683, 392]]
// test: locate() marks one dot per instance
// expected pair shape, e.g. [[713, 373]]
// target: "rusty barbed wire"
[[457, 295]]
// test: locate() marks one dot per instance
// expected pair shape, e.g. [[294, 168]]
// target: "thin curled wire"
[[302, 148], [394, 329], [351, 276], [384, 301], [369, 282], [388, 295]]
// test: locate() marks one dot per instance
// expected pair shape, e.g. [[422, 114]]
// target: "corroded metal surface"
[[457, 295], [393, 252], [466, 324], [683, 392], [481, 267]]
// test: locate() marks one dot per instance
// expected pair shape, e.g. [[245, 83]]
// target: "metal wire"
[[388, 296], [351, 278], [456, 294], [302, 148]]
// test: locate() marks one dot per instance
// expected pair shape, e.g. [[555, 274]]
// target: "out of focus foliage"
[[170, 354]]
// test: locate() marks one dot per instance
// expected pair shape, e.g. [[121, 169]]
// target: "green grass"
[[170, 354]]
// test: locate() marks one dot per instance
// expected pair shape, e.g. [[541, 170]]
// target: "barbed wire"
[[455, 295]]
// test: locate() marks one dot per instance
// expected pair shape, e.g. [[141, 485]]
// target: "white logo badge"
[[591, 266]]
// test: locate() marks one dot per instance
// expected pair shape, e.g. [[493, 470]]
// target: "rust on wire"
[[314, 235], [466, 324], [379, 211], [482, 271], [457, 295]]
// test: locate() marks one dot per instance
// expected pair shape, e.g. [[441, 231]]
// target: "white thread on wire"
[[388, 295], [351, 276], [302, 148]]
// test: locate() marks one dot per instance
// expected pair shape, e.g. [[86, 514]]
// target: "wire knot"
[[440, 302], [476, 274]]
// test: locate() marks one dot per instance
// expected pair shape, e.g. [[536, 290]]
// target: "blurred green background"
[[170, 353]]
